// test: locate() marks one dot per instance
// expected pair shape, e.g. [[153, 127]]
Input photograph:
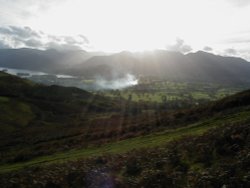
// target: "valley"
[[98, 128], [124, 94]]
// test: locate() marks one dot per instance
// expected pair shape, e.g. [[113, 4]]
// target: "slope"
[[20, 146], [31, 116], [211, 153], [203, 147], [148, 141]]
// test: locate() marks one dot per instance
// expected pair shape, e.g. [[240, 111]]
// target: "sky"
[[216, 26]]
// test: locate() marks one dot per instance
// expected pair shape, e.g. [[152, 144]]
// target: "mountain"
[[112, 66], [41, 60], [218, 68], [199, 66], [193, 67]]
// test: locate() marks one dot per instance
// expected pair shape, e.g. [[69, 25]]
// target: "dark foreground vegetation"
[[218, 158], [53, 136]]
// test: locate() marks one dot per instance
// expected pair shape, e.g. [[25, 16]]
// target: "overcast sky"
[[217, 26]]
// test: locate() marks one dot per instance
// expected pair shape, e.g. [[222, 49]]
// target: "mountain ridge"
[[194, 67]]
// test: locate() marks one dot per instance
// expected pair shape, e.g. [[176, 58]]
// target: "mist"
[[117, 83]]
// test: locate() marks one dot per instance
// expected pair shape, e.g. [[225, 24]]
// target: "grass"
[[201, 95], [174, 91], [13, 111], [4, 99], [2, 74], [124, 146]]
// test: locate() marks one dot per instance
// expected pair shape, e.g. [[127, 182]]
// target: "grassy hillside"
[[54, 136], [28, 105], [148, 141], [212, 154], [32, 114]]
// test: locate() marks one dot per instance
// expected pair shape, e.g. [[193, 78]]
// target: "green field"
[[167, 91]]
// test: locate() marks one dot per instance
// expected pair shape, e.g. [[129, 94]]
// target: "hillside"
[[33, 114], [54, 136], [220, 157]]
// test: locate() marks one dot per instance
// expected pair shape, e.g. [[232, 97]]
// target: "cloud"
[[239, 3], [239, 45], [85, 39], [116, 83], [19, 37], [230, 51], [24, 32], [28, 7], [208, 49], [67, 42], [244, 39], [62, 47], [77, 40], [243, 53], [179, 46], [236, 52], [33, 43], [3, 45]]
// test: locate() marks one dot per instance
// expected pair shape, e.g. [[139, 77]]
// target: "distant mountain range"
[[38, 60], [198, 66]]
